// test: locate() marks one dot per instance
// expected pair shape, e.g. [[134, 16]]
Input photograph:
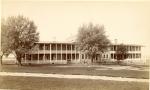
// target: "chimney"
[[116, 41], [54, 39]]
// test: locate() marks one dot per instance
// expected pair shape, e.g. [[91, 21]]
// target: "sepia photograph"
[[74, 44]]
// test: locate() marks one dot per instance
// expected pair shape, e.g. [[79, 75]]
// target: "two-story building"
[[65, 52]]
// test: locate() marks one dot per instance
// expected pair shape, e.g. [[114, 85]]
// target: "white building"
[[65, 52]]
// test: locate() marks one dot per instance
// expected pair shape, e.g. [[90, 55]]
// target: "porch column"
[[128, 48], [75, 52], [61, 52], [79, 55], [50, 52], [66, 52], [56, 51], [113, 56], [44, 53], [71, 52], [38, 54]]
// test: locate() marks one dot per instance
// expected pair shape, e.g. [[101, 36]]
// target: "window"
[[104, 55], [133, 48], [139, 48], [53, 46], [130, 48], [112, 48], [68, 47], [63, 47], [115, 48], [133, 55], [41, 46], [58, 46], [129, 55], [47, 47], [112, 56], [73, 47], [136, 55], [139, 55], [136, 48], [47, 57], [58, 56]]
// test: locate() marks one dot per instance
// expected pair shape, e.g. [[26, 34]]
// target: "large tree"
[[121, 52], [91, 40], [20, 37], [5, 46]]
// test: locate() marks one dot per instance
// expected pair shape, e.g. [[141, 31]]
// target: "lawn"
[[38, 83], [55, 69]]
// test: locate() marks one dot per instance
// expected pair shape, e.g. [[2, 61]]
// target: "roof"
[[68, 42], [58, 42], [128, 44]]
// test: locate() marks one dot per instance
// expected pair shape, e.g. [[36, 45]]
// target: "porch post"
[[56, 51], [75, 52], [38, 54], [44, 53], [61, 52], [66, 52], [50, 52], [71, 52]]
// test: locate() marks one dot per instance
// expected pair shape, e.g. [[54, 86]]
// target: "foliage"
[[21, 35], [5, 46], [121, 52], [91, 40]]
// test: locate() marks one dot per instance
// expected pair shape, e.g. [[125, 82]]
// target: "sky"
[[128, 22]]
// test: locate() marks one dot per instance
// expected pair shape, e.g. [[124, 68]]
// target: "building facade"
[[64, 52]]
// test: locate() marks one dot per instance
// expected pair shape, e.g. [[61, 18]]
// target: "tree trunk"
[[92, 58], [1, 60], [19, 59], [1, 57]]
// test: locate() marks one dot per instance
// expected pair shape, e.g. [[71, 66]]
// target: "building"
[[65, 52]]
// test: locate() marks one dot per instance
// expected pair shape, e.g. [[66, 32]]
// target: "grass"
[[38, 83], [75, 71]]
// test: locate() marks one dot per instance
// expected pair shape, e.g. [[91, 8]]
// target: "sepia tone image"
[[74, 45]]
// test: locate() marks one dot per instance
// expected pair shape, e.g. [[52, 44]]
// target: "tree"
[[91, 40], [20, 37], [5, 46], [121, 52]]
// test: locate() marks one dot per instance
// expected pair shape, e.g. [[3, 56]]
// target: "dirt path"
[[73, 76]]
